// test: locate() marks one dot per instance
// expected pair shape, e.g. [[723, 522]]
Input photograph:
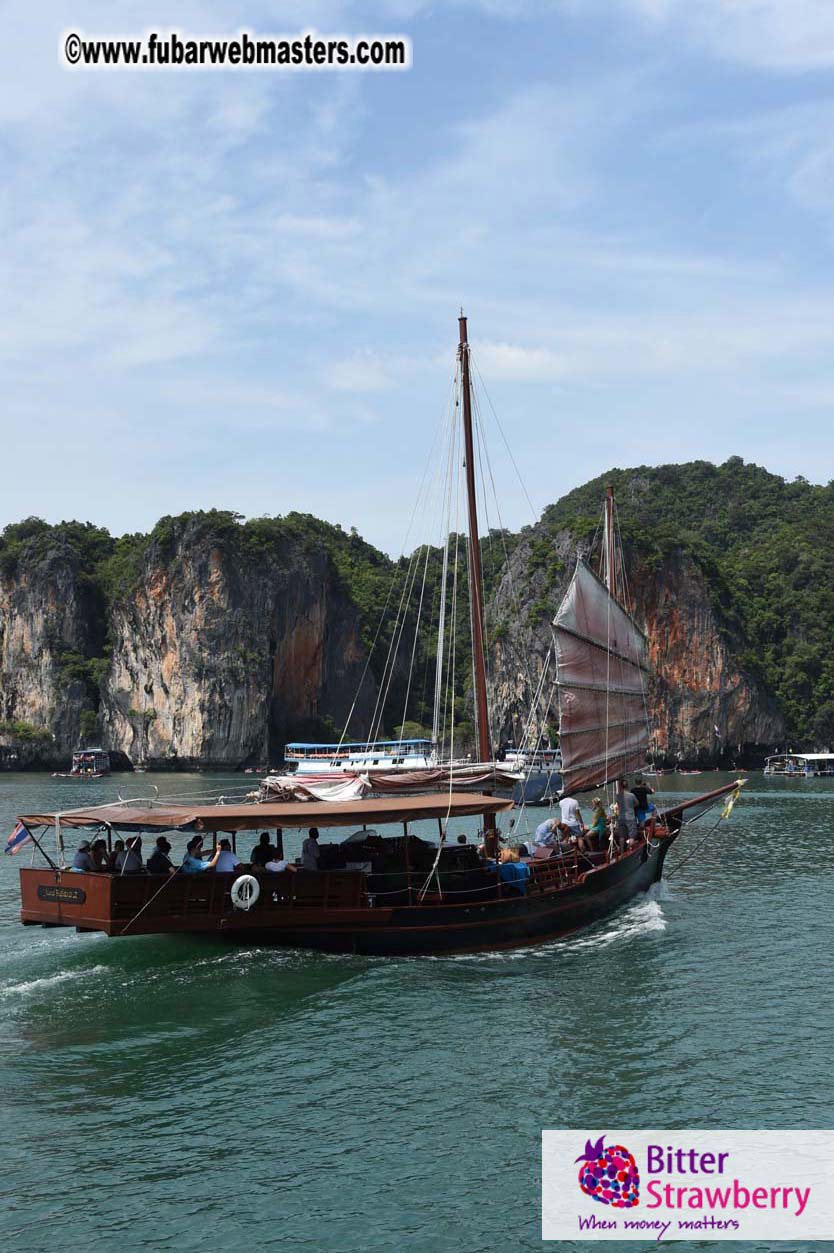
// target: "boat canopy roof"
[[366, 746], [137, 816], [803, 756]]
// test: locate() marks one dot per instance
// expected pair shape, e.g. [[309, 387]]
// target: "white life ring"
[[245, 891]]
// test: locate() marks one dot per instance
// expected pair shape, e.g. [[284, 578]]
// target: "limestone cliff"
[[219, 652], [50, 626], [207, 643], [211, 640], [697, 682]]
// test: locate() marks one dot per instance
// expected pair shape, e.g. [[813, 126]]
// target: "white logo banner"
[[687, 1185]]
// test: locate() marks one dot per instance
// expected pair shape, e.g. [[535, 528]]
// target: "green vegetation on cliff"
[[24, 732], [765, 547]]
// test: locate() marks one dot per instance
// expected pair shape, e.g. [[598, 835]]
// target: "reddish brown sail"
[[600, 674]]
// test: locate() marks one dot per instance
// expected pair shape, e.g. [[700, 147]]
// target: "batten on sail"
[[600, 669]]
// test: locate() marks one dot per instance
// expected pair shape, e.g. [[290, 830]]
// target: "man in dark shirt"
[[641, 793], [310, 851], [99, 855], [159, 862], [263, 851]]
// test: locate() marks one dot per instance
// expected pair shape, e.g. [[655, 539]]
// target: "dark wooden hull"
[[340, 918], [509, 923]]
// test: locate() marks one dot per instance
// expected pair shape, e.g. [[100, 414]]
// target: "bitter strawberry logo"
[[609, 1175]]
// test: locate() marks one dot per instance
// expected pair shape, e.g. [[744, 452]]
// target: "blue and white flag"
[[17, 839]]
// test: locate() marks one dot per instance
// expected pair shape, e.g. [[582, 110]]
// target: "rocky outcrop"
[[219, 653], [697, 684], [209, 646], [50, 625], [210, 642]]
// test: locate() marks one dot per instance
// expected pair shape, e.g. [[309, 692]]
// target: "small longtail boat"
[[390, 895]]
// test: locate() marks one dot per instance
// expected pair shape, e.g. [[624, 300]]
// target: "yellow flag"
[[730, 801]]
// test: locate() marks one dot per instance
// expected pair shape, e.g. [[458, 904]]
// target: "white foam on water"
[[644, 917], [49, 981], [50, 942]]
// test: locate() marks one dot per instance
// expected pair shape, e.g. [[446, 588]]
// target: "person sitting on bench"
[[514, 873]]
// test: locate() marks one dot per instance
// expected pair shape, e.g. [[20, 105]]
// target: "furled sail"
[[600, 675]]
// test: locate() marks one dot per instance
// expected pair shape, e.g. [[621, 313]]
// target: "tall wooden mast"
[[476, 587]]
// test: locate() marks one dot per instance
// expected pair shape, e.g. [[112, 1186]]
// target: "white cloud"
[[788, 35], [601, 349], [515, 362], [216, 269], [363, 372], [789, 149]]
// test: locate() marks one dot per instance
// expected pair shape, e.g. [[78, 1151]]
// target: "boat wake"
[[642, 917], [49, 981]]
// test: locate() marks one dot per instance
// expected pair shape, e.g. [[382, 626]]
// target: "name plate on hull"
[[66, 896]]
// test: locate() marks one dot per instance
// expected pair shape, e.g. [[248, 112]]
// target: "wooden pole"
[[407, 860], [476, 586]]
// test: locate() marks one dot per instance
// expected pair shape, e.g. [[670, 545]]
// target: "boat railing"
[[209, 895], [135, 903]]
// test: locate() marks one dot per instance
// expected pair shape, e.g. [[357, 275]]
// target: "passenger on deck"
[[641, 793], [99, 855], [193, 863], [129, 861], [626, 814], [227, 862], [118, 847], [83, 860], [598, 830], [263, 850], [159, 862], [278, 865], [547, 834], [310, 851], [513, 872], [571, 815]]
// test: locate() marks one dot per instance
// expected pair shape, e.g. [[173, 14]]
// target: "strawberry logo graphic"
[[609, 1175]]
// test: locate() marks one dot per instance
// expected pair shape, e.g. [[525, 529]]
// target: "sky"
[[240, 290]]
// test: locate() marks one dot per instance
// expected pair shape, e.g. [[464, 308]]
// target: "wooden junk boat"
[[402, 894]]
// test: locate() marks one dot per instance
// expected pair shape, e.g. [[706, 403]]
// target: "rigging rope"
[[533, 512], [514, 597], [434, 872], [431, 461], [725, 813]]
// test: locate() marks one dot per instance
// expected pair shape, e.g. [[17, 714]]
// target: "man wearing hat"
[[83, 859], [159, 862], [193, 863]]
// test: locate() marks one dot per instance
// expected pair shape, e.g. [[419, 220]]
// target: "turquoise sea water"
[[161, 1093]]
